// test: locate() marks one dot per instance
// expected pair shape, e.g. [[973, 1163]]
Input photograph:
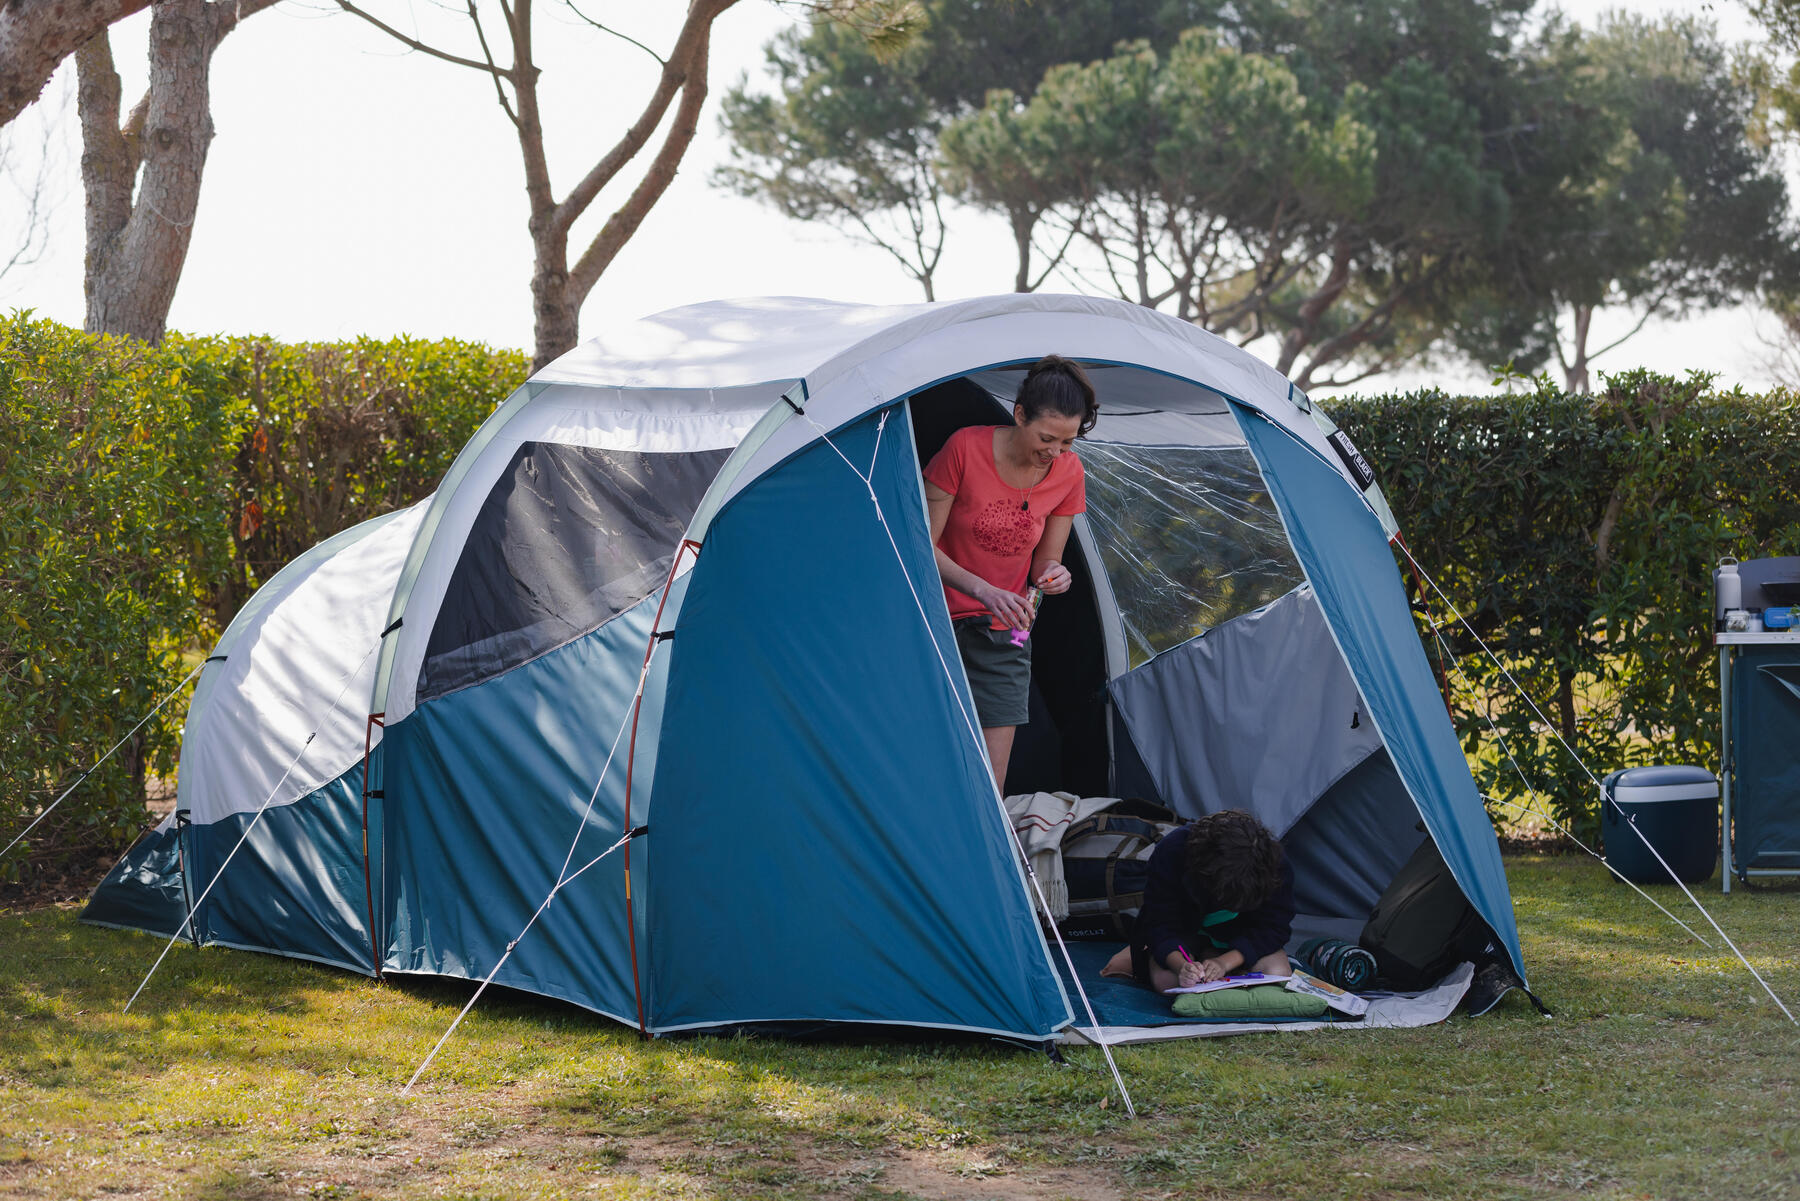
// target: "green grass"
[[1666, 1073]]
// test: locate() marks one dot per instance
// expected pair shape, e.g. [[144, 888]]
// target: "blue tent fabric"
[[297, 885], [144, 889], [1766, 757], [1341, 545], [827, 843], [496, 778]]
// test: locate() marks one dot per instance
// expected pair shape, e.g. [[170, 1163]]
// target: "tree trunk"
[[1575, 372], [137, 240], [556, 315], [138, 245], [1565, 703], [1023, 221], [1300, 335]]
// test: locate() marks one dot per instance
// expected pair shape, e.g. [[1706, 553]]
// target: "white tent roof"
[[713, 376]]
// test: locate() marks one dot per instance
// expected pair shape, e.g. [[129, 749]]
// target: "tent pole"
[[637, 706], [368, 883]]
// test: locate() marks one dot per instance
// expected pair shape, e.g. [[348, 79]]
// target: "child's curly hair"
[[1232, 861]]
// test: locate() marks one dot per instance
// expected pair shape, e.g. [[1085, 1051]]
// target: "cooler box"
[[1675, 808]]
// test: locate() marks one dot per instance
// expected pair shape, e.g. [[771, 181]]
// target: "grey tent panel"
[[1258, 714], [1351, 844], [568, 538]]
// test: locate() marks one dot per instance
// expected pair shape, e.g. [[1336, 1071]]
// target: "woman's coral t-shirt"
[[993, 527]]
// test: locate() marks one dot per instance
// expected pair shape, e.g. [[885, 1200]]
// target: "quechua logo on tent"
[[1357, 465]]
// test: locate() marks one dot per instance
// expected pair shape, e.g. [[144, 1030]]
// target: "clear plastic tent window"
[[568, 538], [1189, 536]]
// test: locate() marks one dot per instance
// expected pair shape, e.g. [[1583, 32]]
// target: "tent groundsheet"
[[1128, 1013]]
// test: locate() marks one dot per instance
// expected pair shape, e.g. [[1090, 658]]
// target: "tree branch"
[[108, 154], [1648, 313], [624, 37], [37, 35], [624, 223], [226, 15], [1056, 259], [695, 31], [487, 56], [413, 43]]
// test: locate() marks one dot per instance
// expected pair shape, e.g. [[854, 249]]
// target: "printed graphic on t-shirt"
[[1003, 528]]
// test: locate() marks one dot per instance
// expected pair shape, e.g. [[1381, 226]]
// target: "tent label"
[[1358, 466]]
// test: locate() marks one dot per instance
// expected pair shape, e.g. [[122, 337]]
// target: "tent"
[[680, 586]]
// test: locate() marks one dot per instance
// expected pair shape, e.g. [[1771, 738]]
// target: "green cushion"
[[1257, 1003]]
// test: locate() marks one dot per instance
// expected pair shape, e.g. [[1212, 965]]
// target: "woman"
[[1002, 499]]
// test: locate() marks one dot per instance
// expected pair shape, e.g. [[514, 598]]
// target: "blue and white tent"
[[689, 561]]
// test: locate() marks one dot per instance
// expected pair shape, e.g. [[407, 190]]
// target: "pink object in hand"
[[1034, 596]]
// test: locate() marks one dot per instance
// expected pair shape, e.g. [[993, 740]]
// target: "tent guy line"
[[1570, 834], [950, 679], [1582, 763], [218, 875], [560, 885], [1531, 791], [94, 766], [563, 878]]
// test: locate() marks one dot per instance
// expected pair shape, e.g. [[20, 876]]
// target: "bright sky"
[[355, 188]]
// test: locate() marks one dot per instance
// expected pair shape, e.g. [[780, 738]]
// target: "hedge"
[[145, 492], [1577, 535]]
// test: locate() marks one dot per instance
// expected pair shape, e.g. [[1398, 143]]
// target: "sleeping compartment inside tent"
[[1189, 663]]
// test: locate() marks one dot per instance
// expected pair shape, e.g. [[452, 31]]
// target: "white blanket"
[[1041, 819], [1387, 1011]]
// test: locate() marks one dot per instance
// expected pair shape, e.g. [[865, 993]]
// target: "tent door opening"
[[1064, 747]]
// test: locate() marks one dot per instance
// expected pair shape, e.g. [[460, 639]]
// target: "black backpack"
[[1423, 925], [1106, 860]]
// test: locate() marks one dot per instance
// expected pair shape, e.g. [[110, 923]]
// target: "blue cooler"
[[1675, 808]]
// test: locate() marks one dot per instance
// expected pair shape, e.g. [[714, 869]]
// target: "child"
[[1219, 901]]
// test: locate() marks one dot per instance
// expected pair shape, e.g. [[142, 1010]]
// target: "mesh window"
[[1189, 537], [569, 537]]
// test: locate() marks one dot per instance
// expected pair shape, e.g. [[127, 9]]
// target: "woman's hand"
[[1191, 973], [1054, 577], [1212, 969], [1009, 607]]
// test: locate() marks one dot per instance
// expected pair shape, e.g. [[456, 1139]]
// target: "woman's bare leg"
[[999, 741]]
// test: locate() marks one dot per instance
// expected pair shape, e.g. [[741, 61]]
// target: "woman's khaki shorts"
[[999, 672]]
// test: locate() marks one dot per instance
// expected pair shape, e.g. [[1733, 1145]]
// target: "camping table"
[[1730, 646]]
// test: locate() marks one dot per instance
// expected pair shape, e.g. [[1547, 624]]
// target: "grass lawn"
[[1666, 1073]]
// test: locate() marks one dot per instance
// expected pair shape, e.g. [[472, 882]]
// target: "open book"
[[1301, 982]]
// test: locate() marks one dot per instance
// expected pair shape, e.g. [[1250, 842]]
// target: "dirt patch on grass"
[[418, 1150], [962, 1174]]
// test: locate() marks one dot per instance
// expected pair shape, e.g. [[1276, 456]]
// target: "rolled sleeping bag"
[[1335, 961]]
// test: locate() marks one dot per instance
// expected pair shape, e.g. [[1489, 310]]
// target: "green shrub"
[[112, 528], [146, 492], [338, 433], [1577, 535]]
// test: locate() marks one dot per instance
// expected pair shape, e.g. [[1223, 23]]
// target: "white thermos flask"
[[1728, 587]]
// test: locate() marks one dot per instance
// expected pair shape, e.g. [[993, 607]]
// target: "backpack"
[[1106, 861], [1423, 925]]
